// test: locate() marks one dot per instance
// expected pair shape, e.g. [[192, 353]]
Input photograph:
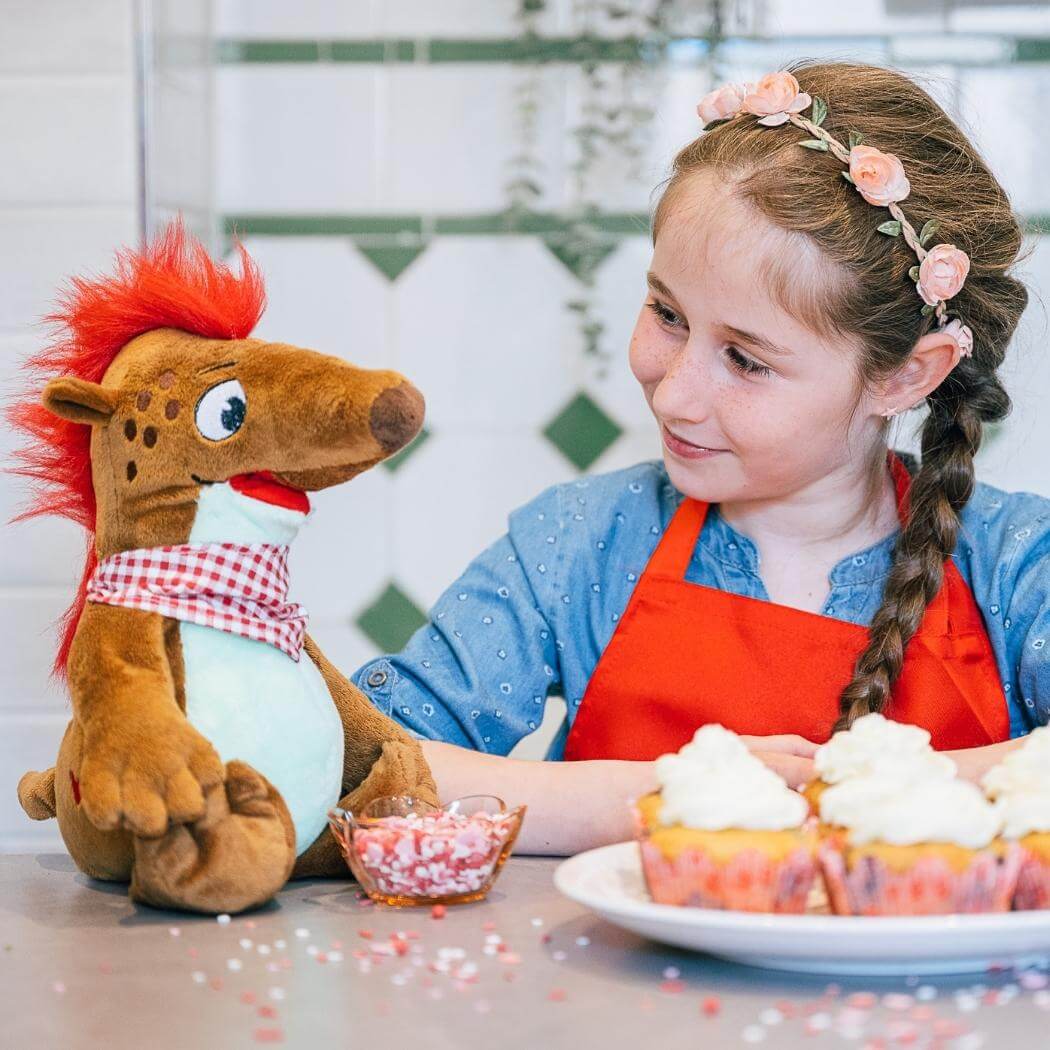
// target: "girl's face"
[[751, 404]]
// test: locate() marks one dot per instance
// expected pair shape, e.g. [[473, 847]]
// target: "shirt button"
[[376, 678]]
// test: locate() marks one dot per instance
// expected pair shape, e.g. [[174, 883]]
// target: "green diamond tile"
[[580, 257], [391, 619], [392, 260], [582, 431], [397, 460]]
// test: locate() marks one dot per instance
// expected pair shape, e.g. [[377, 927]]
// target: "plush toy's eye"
[[220, 410]]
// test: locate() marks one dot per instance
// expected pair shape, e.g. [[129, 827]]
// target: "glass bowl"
[[405, 851]]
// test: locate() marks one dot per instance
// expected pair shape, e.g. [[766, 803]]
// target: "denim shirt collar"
[[733, 548]]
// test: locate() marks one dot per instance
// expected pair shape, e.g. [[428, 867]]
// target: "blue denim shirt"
[[531, 615]]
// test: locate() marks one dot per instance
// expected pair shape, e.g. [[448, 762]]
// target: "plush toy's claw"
[[146, 772], [236, 856], [36, 793]]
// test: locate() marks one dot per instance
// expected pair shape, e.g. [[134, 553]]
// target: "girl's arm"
[[974, 762], [574, 806]]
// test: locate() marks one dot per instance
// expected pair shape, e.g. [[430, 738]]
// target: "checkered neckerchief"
[[234, 587]]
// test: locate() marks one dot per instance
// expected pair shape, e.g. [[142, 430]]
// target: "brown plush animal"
[[209, 735]]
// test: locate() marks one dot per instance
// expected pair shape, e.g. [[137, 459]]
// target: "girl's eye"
[[667, 316], [745, 364], [739, 361], [220, 410]]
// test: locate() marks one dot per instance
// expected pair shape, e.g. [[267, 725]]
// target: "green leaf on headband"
[[928, 230], [927, 310], [814, 144], [848, 177], [913, 273], [819, 111], [893, 227], [855, 139]]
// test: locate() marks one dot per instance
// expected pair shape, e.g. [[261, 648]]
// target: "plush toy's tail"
[[36, 792]]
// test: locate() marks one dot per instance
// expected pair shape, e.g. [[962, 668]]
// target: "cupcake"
[[724, 831], [870, 741], [914, 844], [1020, 784]]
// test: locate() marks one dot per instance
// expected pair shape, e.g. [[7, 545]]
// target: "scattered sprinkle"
[[223, 919]]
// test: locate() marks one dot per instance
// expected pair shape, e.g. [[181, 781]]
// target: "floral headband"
[[879, 178]]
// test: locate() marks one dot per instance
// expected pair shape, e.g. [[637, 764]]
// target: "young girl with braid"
[[829, 252]]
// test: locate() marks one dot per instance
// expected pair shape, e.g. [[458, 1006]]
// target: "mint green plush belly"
[[256, 704]]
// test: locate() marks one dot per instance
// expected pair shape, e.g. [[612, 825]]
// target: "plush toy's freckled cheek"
[[130, 430], [166, 380], [171, 409], [149, 437], [132, 470], [143, 400]]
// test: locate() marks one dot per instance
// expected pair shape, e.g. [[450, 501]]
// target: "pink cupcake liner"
[[1033, 884], [750, 881], [929, 887]]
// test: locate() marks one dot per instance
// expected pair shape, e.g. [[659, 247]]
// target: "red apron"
[[684, 655]]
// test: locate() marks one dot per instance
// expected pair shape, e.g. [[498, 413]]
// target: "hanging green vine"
[[615, 121]]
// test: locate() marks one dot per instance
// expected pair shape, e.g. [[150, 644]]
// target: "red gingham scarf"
[[234, 587]]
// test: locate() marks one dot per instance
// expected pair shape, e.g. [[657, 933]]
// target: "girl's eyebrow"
[[761, 342]]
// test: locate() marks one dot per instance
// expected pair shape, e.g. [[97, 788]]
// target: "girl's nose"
[[684, 392]]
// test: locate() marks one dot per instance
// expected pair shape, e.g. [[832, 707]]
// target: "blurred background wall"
[[457, 189]]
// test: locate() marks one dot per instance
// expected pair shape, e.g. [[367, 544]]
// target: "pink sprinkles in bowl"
[[406, 852]]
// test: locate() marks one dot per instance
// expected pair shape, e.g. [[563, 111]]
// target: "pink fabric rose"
[[722, 103], [878, 176], [962, 335], [942, 273], [774, 97]]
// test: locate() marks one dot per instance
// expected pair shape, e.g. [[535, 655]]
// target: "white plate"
[[609, 881]]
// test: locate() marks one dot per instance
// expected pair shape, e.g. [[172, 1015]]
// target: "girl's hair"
[[869, 298]]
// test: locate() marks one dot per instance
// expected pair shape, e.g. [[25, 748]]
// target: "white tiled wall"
[[68, 185]]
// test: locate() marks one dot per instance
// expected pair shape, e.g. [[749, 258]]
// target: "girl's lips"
[[684, 448]]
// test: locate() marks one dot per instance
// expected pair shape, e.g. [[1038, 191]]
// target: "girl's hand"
[[784, 744], [795, 769]]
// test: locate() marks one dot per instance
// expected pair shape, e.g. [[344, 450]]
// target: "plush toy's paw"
[[36, 793], [237, 856], [142, 772], [400, 769]]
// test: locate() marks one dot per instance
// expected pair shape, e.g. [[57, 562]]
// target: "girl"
[[780, 571]]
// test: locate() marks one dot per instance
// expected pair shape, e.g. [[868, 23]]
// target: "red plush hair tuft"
[[171, 283]]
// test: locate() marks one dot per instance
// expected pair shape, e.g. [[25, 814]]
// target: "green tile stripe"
[[421, 226], [580, 49], [414, 229]]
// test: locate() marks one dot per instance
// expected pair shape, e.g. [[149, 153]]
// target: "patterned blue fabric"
[[531, 615]]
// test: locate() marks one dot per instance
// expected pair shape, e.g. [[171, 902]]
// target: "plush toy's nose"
[[397, 415]]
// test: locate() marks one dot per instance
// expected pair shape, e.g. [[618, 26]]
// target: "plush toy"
[[210, 736]]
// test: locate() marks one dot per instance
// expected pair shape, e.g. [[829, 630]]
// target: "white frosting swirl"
[[870, 742], [895, 806], [1021, 783], [714, 782], [1026, 768]]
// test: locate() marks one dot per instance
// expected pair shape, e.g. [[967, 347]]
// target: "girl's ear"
[[931, 359], [79, 401]]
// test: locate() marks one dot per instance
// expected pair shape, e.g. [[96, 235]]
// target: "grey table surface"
[[81, 966]]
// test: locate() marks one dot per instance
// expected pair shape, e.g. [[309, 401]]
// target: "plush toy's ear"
[[79, 401]]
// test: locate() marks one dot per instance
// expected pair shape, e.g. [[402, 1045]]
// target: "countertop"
[[81, 966]]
